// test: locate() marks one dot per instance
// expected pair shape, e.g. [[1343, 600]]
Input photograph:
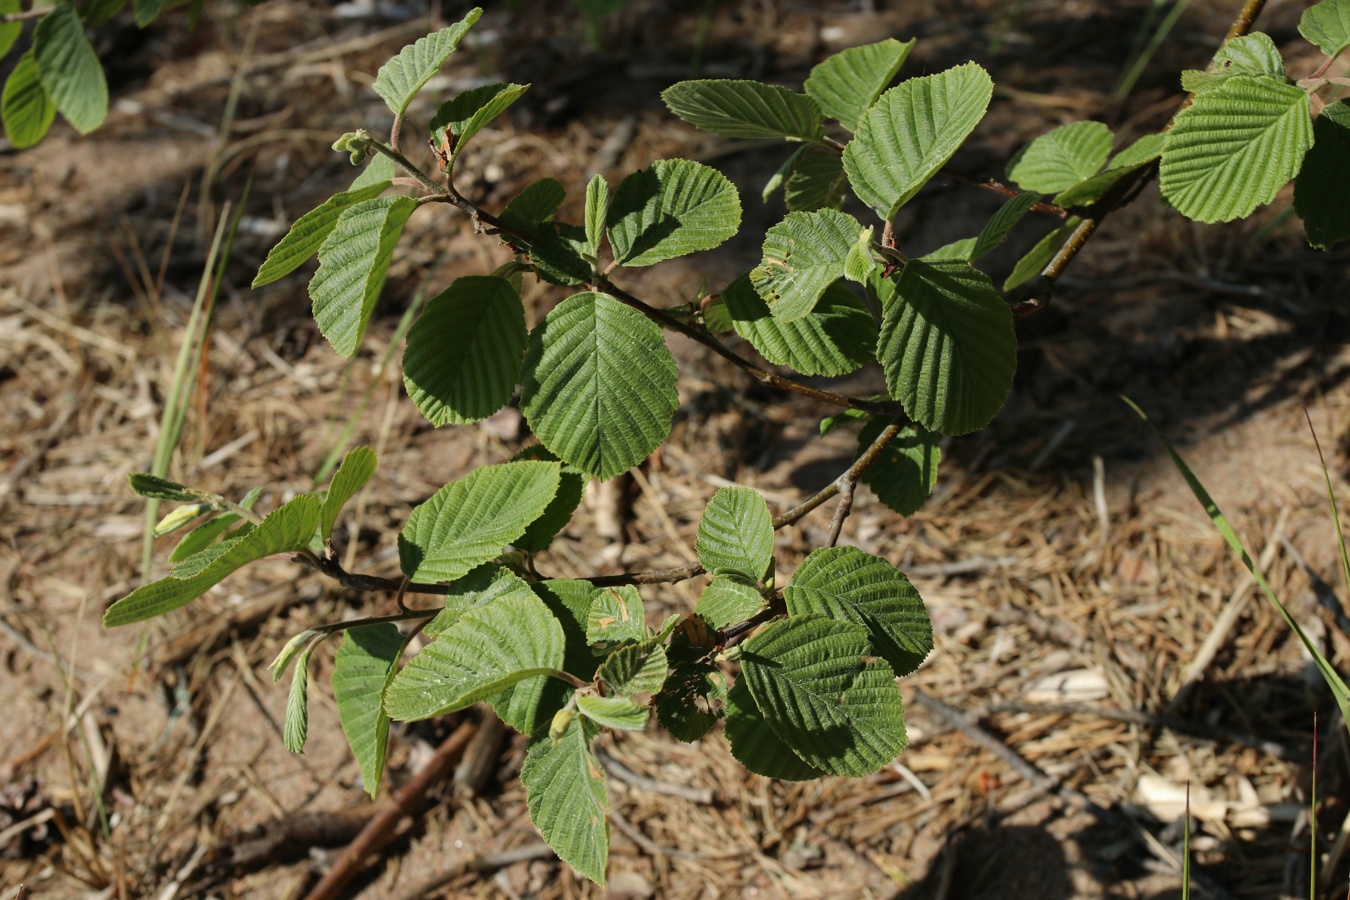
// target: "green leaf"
[[903, 475], [859, 264], [635, 668], [672, 209], [469, 521], [597, 211], [835, 338], [353, 261], [803, 255], [735, 534], [99, 12], [1327, 24], [380, 168], [849, 82], [1039, 256], [691, 700], [817, 181], [616, 616], [994, 233], [69, 68], [490, 648], [458, 120], [565, 793], [399, 80], [619, 713], [947, 346], [754, 743], [571, 490], [485, 584], [1323, 184], [1234, 147], [156, 488], [147, 11], [357, 467], [598, 384], [911, 132], [784, 171], [194, 564], [289, 651], [825, 694], [849, 585], [728, 600], [463, 355], [364, 667], [295, 728], [27, 110], [206, 533], [1145, 149], [288, 528], [558, 251], [1138, 154], [9, 31], [1251, 54], [1062, 157], [570, 601], [310, 231], [745, 109], [533, 206], [180, 517]]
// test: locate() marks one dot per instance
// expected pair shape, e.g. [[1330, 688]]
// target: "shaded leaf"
[[27, 110], [816, 182], [613, 712], [1039, 256], [571, 490], [635, 668], [756, 746], [470, 112], [904, 474], [534, 205], [691, 700], [69, 68], [1323, 184]]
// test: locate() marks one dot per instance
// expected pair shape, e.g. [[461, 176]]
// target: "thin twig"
[[850, 477], [380, 829], [998, 187]]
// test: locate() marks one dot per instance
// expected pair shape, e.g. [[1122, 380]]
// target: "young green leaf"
[[597, 211], [288, 528], [735, 534], [784, 171], [571, 490], [911, 132], [353, 261], [849, 82], [357, 467], [803, 255], [1327, 24], [756, 746], [635, 668], [379, 168], [745, 109], [463, 355], [364, 667], [618, 713], [490, 648], [69, 68], [817, 181], [458, 120], [728, 600], [9, 30], [1323, 184], [691, 701], [1234, 147], [27, 110], [533, 206], [289, 651], [825, 694], [1039, 256], [295, 728], [565, 793], [859, 264], [156, 488], [947, 346], [180, 517], [399, 80], [849, 585], [903, 475], [598, 384], [672, 209], [205, 534], [616, 616], [310, 231], [1062, 157], [835, 338], [469, 521], [1251, 54]]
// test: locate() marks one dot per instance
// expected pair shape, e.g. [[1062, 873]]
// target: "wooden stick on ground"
[[380, 829]]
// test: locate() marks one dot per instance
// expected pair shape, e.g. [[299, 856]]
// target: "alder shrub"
[[803, 672]]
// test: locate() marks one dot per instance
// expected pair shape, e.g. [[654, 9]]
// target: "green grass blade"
[[1220, 522]]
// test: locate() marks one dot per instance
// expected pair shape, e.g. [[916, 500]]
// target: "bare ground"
[[1071, 578]]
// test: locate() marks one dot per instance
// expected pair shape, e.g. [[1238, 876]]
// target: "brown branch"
[[380, 829], [1127, 188], [26, 14], [850, 477], [998, 187]]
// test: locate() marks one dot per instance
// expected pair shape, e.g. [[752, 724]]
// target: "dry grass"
[[1071, 579]]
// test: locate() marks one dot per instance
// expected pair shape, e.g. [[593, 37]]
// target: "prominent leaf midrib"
[[822, 710]]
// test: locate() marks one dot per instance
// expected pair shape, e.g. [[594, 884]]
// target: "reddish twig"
[[381, 828]]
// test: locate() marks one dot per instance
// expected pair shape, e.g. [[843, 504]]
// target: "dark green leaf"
[[735, 534], [835, 338], [691, 701], [467, 114], [903, 475], [672, 209], [1322, 190], [754, 743], [27, 110], [571, 490]]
